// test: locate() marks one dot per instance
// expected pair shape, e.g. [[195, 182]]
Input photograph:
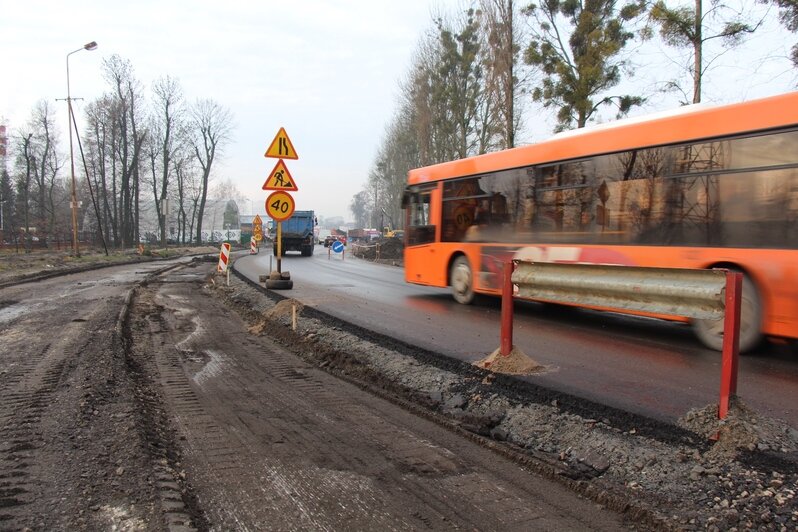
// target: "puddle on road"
[[185, 344], [212, 368], [7, 303], [11, 310]]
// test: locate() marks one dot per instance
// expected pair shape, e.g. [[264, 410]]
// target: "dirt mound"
[[515, 363], [743, 429], [386, 248], [283, 309]]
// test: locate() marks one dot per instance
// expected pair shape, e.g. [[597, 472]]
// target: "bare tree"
[[501, 35], [445, 88], [25, 162], [101, 144], [211, 128], [398, 154], [184, 181], [167, 131], [788, 15], [47, 167], [126, 92], [360, 209]]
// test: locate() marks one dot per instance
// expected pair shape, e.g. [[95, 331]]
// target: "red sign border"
[[292, 188]]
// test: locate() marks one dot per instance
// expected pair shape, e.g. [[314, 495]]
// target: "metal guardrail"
[[698, 294], [670, 291]]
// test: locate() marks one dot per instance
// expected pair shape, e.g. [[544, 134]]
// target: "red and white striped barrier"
[[224, 257], [253, 246]]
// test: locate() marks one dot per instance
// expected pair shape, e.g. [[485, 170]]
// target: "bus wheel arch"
[[461, 279], [752, 312]]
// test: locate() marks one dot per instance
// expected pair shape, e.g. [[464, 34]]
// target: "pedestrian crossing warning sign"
[[280, 178], [281, 147]]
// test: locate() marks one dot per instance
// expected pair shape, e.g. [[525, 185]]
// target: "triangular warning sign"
[[280, 178], [281, 147]]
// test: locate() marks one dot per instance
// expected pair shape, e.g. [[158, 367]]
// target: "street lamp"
[[74, 203]]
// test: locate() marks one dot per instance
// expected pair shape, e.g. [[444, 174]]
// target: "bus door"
[[419, 235]]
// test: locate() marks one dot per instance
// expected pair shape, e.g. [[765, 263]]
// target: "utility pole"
[[74, 202]]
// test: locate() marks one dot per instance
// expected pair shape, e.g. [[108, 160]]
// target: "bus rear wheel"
[[710, 332], [462, 281]]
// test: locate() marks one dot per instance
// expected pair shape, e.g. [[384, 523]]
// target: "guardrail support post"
[[731, 341], [507, 309]]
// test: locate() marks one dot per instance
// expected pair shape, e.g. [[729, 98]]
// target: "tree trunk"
[[697, 44]]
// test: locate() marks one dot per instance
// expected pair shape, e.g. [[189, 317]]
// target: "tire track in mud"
[[26, 391], [177, 499]]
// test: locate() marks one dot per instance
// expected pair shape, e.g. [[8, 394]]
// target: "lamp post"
[[74, 203]]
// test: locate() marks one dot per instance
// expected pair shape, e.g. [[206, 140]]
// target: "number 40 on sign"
[[280, 205]]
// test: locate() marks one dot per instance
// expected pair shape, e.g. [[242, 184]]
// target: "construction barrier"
[[336, 247], [697, 294], [224, 257], [253, 246]]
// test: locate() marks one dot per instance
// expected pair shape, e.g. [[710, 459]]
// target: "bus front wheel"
[[462, 281], [710, 332]]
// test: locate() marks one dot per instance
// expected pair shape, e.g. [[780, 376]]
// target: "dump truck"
[[298, 233]]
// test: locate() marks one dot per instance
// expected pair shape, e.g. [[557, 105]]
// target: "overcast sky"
[[327, 71]]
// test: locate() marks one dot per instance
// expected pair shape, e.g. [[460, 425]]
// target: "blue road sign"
[[338, 246]]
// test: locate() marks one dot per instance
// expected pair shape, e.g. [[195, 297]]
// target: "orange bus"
[[699, 187]]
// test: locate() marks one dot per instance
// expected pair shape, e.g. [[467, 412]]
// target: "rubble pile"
[[382, 249]]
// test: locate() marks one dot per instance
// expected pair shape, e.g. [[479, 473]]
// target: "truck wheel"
[[710, 332], [462, 281]]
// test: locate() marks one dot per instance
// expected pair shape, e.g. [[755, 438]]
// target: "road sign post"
[[279, 246], [337, 247], [280, 204]]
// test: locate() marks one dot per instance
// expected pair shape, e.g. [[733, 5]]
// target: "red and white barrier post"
[[224, 259], [253, 246]]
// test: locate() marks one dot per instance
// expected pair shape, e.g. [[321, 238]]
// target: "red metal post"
[[507, 310], [731, 341]]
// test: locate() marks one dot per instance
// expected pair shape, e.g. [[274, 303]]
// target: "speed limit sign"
[[280, 205]]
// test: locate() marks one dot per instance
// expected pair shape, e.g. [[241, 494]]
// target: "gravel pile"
[[699, 474]]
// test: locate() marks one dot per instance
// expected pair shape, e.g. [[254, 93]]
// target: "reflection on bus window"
[[696, 194]]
